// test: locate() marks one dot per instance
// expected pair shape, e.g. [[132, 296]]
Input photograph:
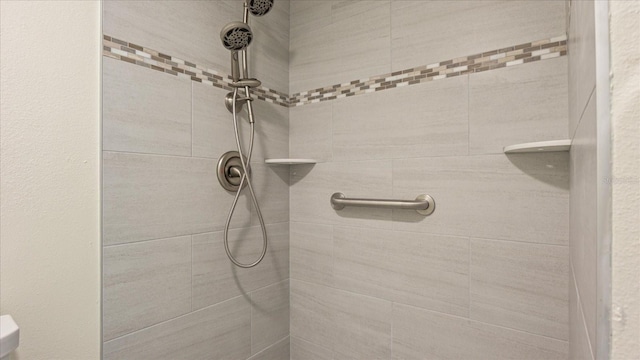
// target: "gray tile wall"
[[583, 132], [458, 28], [486, 276], [169, 290], [334, 41]]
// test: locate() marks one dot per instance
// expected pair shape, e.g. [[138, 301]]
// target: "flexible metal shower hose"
[[245, 176]]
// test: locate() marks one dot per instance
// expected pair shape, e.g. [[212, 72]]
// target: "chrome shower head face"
[[236, 36], [259, 7]]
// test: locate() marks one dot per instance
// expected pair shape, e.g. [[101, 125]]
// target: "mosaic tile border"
[[488, 60], [152, 59]]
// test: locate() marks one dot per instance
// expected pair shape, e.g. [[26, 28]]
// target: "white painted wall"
[[50, 176], [625, 124]]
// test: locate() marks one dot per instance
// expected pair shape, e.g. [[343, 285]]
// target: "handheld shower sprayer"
[[236, 36]]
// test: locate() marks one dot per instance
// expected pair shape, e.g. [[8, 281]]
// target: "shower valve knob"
[[234, 172], [230, 172]]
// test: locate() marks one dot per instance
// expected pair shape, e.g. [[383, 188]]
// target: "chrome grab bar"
[[423, 204]]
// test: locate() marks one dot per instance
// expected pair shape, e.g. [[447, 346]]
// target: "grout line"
[[590, 98], [156, 154], [518, 241], [253, 160], [469, 277], [192, 118], [191, 273], [467, 319], [299, 338], [584, 327], [251, 322], [333, 256], [331, 126], [271, 346], [428, 233], [144, 241], [194, 233], [172, 319], [289, 285], [468, 115], [390, 35], [268, 285], [393, 310]]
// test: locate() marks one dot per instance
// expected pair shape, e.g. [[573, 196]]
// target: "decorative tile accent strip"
[[489, 60], [152, 59]]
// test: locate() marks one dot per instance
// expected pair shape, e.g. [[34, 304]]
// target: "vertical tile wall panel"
[[422, 334], [150, 197], [361, 35], [304, 350], [145, 283], [311, 53], [271, 184], [520, 286], [310, 131], [216, 332], [532, 105], [207, 198], [271, 127], [269, 315], [583, 237], [216, 279], [311, 313], [144, 111], [145, 197], [428, 271], [521, 197], [582, 60], [161, 25], [340, 41], [445, 35], [583, 132], [362, 326], [434, 122], [352, 326], [269, 50], [312, 253], [212, 124], [579, 346], [458, 28], [272, 131]]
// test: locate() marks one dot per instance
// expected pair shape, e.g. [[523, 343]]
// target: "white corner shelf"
[[289, 161], [539, 146]]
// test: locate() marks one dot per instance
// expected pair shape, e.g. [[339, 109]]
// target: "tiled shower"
[[393, 99]]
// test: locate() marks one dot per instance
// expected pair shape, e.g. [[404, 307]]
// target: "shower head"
[[236, 36], [259, 7]]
